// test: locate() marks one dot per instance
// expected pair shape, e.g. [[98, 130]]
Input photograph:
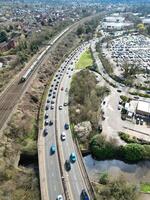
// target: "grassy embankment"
[[145, 187], [85, 60]]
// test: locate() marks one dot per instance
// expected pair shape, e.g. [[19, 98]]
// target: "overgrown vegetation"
[[128, 139], [85, 98], [132, 152], [116, 190]]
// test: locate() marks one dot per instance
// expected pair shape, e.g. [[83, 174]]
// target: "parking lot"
[[132, 48]]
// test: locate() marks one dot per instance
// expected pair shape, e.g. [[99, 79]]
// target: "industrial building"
[[143, 108]]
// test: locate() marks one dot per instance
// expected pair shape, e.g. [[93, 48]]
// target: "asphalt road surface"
[[59, 94]]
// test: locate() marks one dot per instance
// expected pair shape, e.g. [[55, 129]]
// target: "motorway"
[[54, 164]]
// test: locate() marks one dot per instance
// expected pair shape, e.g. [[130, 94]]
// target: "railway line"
[[12, 94]]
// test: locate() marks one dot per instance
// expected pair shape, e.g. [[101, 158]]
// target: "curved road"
[[74, 178]]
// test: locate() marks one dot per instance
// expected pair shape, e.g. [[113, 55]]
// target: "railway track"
[[10, 97]]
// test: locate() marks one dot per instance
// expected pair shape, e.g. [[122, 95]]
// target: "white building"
[[143, 108], [146, 21], [115, 25], [114, 19]]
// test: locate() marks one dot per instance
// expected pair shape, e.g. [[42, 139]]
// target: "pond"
[[134, 173]]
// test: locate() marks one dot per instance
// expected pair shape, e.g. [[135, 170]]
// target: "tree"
[[104, 178], [3, 36], [141, 27], [80, 31], [133, 152]]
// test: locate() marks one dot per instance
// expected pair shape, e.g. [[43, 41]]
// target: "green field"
[[85, 60], [145, 187]]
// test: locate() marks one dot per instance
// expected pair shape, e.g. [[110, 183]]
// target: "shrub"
[[103, 178], [133, 152]]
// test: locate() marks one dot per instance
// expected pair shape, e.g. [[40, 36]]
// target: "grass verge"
[[145, 187], [85, 60]]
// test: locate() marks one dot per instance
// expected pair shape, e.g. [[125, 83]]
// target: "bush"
[[103, 178], [124, 98], [101, 149], [126, 138], [133, 152]]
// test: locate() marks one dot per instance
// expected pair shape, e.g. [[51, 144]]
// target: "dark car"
[[48, 100], [65, 104], [67, 165], [66, 126], [50, 123], [47, 107], [46, 115], [45, 132], [84, 195]]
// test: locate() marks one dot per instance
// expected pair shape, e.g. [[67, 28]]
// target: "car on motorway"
[[50, 123], [69, 76], [46, 115], [84, 195], [52, 102], [65, 104], [54, 97], [50, 90], [49, 94], [63, 136], [48, 100], [73, 157], [66, 126], [45, 132], [67, 165], [60, 107], [59, 197], [47, 107], [46, 122], [52, 149], [62, 88], [52, 107]]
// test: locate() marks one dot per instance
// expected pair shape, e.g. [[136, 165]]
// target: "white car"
[[63, 136], [59, 197]]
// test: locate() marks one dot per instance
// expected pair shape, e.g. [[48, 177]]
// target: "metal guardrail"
[[84, 172]]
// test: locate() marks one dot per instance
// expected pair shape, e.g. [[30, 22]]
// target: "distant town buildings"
[[115, 22]]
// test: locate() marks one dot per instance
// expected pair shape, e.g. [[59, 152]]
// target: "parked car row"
[[132, 48]]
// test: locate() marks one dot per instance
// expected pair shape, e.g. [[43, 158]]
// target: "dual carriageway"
[[56, 180]]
